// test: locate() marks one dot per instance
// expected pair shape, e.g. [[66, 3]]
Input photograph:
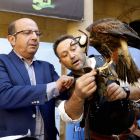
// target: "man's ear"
[[12, 40], [61, 63]]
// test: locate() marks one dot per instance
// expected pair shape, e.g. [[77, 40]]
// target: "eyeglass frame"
[[74, 41], [31, 32]]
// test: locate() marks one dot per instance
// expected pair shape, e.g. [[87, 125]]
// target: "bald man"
[[28, 86]]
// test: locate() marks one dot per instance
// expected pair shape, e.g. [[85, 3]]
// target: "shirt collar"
[[22, 58], [93, 62]]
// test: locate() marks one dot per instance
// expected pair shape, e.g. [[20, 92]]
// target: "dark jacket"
[[17, 96], [108, 117]]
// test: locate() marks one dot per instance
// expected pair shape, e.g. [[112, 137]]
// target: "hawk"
[[111, 37]]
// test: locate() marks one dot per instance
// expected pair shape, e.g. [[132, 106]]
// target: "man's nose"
[[34, 36], [72, 55]]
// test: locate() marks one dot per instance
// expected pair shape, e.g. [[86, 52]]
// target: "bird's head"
[[90, 33], [92, 41], [83, 41]]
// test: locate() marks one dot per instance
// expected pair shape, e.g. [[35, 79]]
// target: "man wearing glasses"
[[28, 87], [108, 117]]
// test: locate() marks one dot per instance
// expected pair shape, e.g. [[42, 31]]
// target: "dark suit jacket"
[[17, 95]]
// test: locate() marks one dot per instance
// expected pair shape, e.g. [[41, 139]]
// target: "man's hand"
[[115, 92], [85, 85], [64, 82]]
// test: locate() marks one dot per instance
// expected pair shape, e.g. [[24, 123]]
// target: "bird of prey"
[[111, 38]]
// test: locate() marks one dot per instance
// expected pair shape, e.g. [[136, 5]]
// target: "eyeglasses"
[[28, 32], [74, 41]]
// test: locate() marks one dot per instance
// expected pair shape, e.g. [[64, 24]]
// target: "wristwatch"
[[127, 90]]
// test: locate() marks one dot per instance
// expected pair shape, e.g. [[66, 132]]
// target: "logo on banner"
[[39, 4]]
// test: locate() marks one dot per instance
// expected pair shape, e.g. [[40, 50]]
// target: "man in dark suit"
[[28, 86]]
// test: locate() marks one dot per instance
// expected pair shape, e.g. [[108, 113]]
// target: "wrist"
[[58, 85], [127, 91], [77, 97]]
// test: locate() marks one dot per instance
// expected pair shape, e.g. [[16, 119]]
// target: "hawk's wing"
[[116, 28]]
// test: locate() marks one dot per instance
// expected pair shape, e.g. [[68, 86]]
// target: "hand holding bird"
[[111, 37]]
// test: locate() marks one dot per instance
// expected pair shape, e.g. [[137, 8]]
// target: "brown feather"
[[135, 70], [110, 37]]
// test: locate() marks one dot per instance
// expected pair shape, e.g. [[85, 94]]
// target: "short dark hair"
[[60, 39], [12, 28]]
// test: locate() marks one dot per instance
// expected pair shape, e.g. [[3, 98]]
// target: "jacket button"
[[33, 115]]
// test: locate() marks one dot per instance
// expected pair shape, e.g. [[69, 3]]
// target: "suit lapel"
[[20, 67]]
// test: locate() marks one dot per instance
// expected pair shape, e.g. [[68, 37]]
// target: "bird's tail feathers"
[[131, 75], [121, 69], [133, 72]]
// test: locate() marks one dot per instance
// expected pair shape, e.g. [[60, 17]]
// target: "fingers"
[[64, 82], [121, 95], [115, 92], [90, 89], [68, 81], [86, 79], [86, 85], [90, 74], [111, 89], [89, 79]]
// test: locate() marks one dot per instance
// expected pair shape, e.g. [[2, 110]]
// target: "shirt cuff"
[[52, 90], [64, 115]]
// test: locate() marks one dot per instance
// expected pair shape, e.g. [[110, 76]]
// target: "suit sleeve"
[[18, 96]]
